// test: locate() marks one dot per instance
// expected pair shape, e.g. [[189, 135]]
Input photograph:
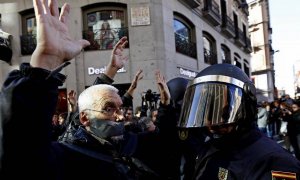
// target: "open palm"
[[118, 58], [53, 36]]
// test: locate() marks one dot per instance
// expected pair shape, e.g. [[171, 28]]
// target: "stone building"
[[178, 37], [260, 31]]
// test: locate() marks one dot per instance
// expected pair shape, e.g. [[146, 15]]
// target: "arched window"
[[184, 32], [104, 24], [225, 53], [28, 37], [209, 49]]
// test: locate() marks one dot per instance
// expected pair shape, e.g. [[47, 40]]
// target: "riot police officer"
[[221, 99]]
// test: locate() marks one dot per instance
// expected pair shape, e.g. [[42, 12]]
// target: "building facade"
[[177, 37], [260, 31]]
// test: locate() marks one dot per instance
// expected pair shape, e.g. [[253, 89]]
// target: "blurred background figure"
[[284, 117], [274, 122], [262, 117]]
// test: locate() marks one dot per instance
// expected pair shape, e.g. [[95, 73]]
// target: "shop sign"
[[96, 71], [186, 72]]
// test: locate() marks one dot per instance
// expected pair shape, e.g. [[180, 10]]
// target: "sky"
[[285, 23]]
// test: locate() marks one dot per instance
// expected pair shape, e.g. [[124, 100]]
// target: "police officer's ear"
[[83, 117]]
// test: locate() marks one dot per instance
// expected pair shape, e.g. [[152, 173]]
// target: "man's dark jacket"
[[28, 101]]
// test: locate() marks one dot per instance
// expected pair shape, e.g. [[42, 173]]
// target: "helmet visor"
[[209, 104]]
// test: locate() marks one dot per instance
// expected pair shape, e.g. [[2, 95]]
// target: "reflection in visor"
[[210, 104]]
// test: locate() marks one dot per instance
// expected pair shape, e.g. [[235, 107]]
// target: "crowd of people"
[[280, 120], [206, 128]]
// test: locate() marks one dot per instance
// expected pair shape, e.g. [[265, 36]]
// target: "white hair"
[[92, 97]]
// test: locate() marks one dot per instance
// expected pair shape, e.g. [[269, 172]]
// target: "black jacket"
[[28, 98], [247, 156]]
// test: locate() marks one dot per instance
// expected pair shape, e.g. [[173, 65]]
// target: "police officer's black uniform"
[[222, 99]]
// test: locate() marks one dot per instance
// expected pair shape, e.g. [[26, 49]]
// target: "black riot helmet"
[[177, 87], [220, 94]]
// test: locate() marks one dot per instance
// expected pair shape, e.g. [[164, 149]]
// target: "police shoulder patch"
[[183, 134], [222, 174], [280, 175]]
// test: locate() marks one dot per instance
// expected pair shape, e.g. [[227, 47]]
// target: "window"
[[237, 59], [184, 36], [225, 52], [246, 67], [209, 49], [28, 37], [104, 24], [31, 25]]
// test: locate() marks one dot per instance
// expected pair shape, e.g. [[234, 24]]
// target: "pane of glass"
[[223, 54], [181, 29], [206, 44], [106, 26], [31, 25]]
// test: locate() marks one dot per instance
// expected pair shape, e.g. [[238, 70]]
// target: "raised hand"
[[165, 96], [138, 76], [72, 97], [118, 59], [54, 43], [72, 101]]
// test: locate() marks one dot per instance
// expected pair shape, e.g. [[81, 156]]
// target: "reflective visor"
[[211, 100]]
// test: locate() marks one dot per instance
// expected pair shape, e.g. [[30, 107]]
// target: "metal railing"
[[184, 46], [229, 23], [211, 5], [242, 36], [210, 57], [248, 42], [28, 44]]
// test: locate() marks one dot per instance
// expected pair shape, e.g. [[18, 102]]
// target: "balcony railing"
[[210, 57], [211, 12], [98, 41], [228, 26], [185, 47], [28, 44], [240, 37], [248, 47], [193, 3]]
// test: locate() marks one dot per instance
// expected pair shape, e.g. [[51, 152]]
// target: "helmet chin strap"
[[235, 129], [219, 131]]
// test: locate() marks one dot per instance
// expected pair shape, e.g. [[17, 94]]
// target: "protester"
[[262, 117], [222, 100]]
